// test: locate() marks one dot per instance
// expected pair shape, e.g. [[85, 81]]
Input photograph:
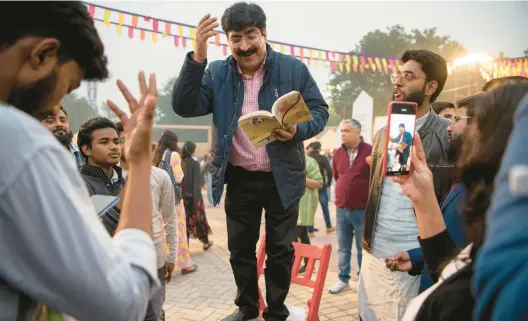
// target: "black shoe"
[[239, 316]]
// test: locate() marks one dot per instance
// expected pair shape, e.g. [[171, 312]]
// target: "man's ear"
[[264, 34], [431, 88], [43, 59], [86, 150]]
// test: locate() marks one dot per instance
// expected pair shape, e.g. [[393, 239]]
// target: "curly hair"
[[482, 152], [84, 137]]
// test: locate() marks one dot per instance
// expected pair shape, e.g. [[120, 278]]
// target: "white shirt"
[[163, 212], [53, 247]]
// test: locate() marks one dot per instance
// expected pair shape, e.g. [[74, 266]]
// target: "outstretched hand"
[[418, 185], [138, 126]]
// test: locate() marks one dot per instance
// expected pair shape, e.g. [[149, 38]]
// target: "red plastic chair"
[[312, 253]]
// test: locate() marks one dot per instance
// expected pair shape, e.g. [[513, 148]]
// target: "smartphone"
[[399, 135], [102, 203]]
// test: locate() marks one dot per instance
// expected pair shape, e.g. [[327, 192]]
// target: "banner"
[[350, 62]]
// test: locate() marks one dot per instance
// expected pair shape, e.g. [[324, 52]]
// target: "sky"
[[482, 27]]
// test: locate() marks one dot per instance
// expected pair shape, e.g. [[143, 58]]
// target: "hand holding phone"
[[399, 134]]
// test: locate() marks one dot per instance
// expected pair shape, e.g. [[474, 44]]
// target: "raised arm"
[[317, 105], [58, 251], [192, 95]]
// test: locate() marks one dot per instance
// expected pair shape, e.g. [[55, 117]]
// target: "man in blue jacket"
[[270, 178]]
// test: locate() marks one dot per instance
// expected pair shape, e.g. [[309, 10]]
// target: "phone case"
[[387, 130]]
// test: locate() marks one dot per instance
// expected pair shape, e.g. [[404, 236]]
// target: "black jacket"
[[99, 184], [324, 167], [434, 139]]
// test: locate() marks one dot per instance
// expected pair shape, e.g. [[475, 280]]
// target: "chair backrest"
[[313, 254]]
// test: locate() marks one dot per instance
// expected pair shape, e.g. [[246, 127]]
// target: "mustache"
[[246, 53]]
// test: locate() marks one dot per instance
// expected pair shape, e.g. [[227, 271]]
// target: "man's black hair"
[[441, 105], [84, 137], [119, 126], [464, 102], [242, 15], [402, 125], [66, 21], [433, 66]]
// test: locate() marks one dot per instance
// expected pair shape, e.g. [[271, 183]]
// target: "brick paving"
[[208, 294]]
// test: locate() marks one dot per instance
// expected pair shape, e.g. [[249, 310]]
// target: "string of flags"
[[182, 35]]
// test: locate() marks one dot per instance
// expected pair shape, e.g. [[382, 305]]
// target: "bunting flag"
[[349, 62]]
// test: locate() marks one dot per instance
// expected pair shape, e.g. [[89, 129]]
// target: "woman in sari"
[[197, 225], [167, 157]]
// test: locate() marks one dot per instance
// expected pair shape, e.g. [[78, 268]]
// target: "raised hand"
[[418, 185], [138, 126], [204, 31]]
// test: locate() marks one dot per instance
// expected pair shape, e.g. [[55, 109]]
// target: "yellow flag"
[[310, 53], [121, 18], [180, 30], [348, 62], [106, 17], [154, 37], [320, 55], [272, 45], [282, 48], [119, 29], [192, 33]]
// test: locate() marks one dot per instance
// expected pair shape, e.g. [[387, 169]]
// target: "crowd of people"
[[443, 243]]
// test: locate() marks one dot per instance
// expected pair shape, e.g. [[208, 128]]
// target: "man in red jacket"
[[351, 173]]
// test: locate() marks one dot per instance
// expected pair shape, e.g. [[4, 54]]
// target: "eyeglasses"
[[237, 40], [405, 77], [458, 118]]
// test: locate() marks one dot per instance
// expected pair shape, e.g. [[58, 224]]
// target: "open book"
[[289, 109]]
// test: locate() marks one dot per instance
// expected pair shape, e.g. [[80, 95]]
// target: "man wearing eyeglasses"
[[390, 230], [270, 178]]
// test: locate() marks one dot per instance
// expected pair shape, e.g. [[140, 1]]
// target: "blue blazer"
[[450, 207]]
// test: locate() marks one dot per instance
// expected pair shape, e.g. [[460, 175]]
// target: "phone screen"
[[401, 126]]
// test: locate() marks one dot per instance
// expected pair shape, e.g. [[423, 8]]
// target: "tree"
[[526, 53], [79, 110], [345, 87]]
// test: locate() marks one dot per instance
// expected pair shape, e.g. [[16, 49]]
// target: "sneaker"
[[339, 287], [330, 230]]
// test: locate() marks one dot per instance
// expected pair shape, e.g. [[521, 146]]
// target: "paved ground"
[[208, 294]]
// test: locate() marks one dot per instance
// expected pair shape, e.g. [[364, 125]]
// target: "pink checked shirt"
[[243, 153]]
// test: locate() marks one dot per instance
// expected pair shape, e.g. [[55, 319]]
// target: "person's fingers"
[[201, 22], [153, 86], [143, 88], [132, 102], [369, 160], [208, 28], [117, 111], [400, 179]]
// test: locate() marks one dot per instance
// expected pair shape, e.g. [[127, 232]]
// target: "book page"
[[259, 128], [291, 109]]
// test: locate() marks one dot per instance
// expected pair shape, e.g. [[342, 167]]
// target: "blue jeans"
[[323, 200], [348, 223]]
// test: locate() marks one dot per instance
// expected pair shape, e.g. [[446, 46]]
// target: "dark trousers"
[[302, 236], [248, 193], [323, 200]]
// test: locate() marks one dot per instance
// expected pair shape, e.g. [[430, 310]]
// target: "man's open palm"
[[138, 126]]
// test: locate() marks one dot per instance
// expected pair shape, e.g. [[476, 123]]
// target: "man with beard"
[[56, 255], [271, 178], [58, 124], [390, 224], [451, 203]]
